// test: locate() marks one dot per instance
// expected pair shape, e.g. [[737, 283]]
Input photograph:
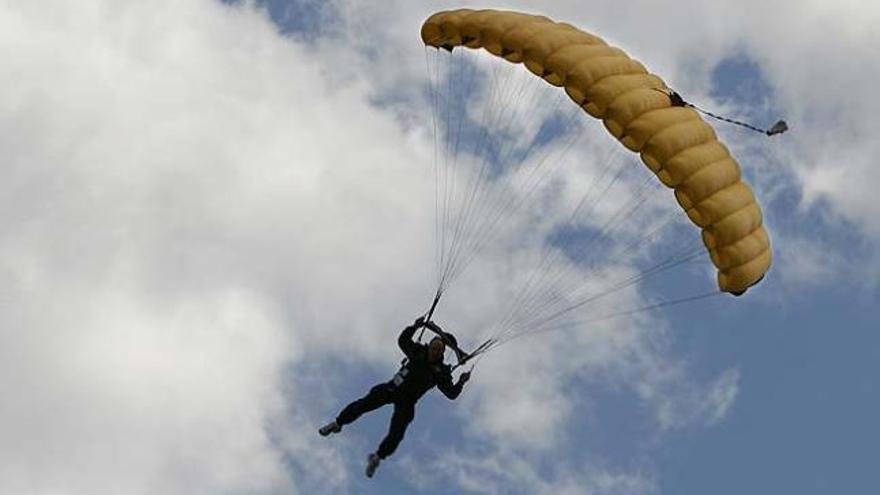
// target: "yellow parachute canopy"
[[639, 110]]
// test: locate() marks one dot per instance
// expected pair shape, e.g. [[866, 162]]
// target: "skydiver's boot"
[[331, 427], [372, 463]]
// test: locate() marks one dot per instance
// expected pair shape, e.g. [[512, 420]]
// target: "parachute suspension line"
[[434, 86], [449, 100], [611, 316], [449, 170], [466, 220], [447, 248], [535, 324], [644, 240], [522, 320], [492, 343], [672, 262], [524, 291], [504, 203], [452, 97], [651, 307], [778, 128], [546, 294], [481, 225], [489, 225], [441, 183], [501, 205], [616, 256], [551, 295], [459, 99], [480, 186], [683, 256], [529, 291], [438, 248]]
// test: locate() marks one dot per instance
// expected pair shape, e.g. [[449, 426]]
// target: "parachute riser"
[[430, 312]]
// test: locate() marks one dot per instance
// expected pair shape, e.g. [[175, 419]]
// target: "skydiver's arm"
[[405, 341], [449, 390], [430, 325]]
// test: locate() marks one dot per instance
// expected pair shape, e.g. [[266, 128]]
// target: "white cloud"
[[188, 208], [106, 392], [682, 404]]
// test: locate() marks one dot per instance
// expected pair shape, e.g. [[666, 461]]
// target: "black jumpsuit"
[[415, 377]]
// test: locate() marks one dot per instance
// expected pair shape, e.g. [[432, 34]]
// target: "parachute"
[[643, 114]]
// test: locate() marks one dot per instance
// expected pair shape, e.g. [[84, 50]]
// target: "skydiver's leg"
[[376, 398], [403, 415]]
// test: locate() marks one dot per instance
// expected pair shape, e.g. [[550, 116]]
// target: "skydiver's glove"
[[464, 377], [420, 321]]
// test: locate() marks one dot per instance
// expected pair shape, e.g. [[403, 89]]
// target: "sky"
[[216, 217]]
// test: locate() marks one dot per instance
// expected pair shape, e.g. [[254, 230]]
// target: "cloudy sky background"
[[217, 216]]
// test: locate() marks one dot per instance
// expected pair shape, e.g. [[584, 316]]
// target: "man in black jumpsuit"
[[422, 369]]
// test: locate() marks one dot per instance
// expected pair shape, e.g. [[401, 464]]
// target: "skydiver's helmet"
[[436, 349]]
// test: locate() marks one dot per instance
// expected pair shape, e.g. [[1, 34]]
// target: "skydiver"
[[422, 369]]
